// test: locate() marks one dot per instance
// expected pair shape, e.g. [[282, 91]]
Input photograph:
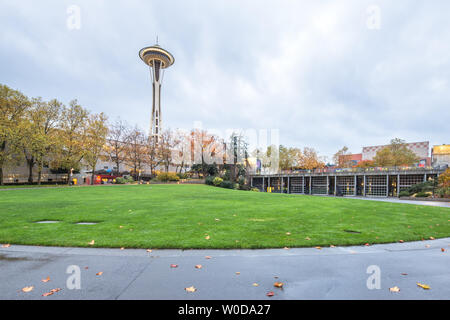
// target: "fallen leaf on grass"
[[6, 245], [217, 219], [27, 289], [99, 273], [288, 233], [120, 227], [46, 279], [190, 289], [198, 266], [92, 242], [270, 294], [308, 238], [394, 289], [278, 284], [174, 266], [207, 237], [423, 286]]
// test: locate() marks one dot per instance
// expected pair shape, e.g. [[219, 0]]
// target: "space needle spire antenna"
[[157, 59]]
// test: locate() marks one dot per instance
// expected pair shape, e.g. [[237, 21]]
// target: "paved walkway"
[[396, 200], [307, 273]]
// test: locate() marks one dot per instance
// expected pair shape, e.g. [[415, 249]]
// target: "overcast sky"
[[325, 73]]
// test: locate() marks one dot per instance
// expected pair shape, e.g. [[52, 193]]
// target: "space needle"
[[157, 59]]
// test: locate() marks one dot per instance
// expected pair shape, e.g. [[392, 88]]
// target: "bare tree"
[[119, 133], [136, 151]]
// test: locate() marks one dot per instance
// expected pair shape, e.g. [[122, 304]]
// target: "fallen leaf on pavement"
[[427, 246], [198, 266], [286, 248], [278, 284], [6, 245], [255, 285], [331, 246], [401, 241], [99, 273], [46, 279], [319, 248], [55, 290], [190, 289], [207, 257], [122, 248], [394, 289], [148, 250], [238, 273], [367, 244], [174, 266], [423, 286], [270, 294], [47, 294], [27, 289], [442, 249], [431, 238], [404, 274]]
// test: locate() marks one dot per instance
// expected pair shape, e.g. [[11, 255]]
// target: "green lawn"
[[181, 216]]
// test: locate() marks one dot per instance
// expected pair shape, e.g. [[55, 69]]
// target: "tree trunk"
[[92, 177], [1, 174], [30, 169]]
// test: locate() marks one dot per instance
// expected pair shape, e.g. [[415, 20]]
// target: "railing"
[[357, 170]]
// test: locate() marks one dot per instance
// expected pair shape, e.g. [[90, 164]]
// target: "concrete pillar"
[[425, 177], [251, 182], [289, 185], [398, 186], [268, 183], [355, 182], [364, 186], [335, 185], [310, 185], [328, 185], [263, 185], [303, 188], [387, 185]]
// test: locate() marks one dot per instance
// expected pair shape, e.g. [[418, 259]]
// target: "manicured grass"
[[181, 216]]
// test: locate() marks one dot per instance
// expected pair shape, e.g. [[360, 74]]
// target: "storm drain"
[[47, 221], [351, 231]]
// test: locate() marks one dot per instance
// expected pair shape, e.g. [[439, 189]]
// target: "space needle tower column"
[[157, 59]]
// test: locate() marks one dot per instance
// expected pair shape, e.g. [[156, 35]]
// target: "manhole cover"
[[47, 221], [351, 231]]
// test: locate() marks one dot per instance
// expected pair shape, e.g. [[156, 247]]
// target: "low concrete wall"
[[426, 199]]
